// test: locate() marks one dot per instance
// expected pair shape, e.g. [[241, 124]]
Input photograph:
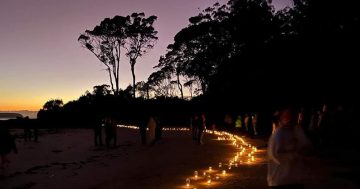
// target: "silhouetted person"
[[36, 132], [201, 125], [324, 126], [254, 119], [142, 129], [27, 131], [275, 121], [285, 153], [247, 122], [110, 132], [158, 129], [314, 126], [152, 129], [194, 126], [7, 144], [97, 132]]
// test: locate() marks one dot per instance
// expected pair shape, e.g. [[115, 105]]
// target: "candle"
[[187, 182], [196, 174], [220, 165], [224, 172], [209, 179]]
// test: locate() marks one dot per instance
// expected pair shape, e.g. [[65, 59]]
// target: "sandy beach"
[[69, 159]]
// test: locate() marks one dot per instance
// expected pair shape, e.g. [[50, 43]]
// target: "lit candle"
[[217, 177], [187, 182], [209, 179], [224, 172], [252, 158], [204, 174], [210, 168], [220, 165], [196, 174]]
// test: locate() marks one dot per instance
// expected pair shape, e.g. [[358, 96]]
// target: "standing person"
[[275, 121], [110, 132], [158, 129], [142, 129], [201, 123], [247, 122], [152, 129], [194, 127], [7, 144], [285, 153], [97, 132], [254, 118], [27, 131]]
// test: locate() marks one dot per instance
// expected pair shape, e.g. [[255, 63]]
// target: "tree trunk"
[[118, 67], [180, 86], [147, 92], [111, 82], [116, 84], [133, 76]]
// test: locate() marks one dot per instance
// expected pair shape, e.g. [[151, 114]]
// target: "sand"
[[69, 159]]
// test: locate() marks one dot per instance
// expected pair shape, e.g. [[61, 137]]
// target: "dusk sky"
[[40, 58]]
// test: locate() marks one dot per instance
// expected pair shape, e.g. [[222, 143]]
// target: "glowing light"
[[245, 151], [209, 179], [187, 182]]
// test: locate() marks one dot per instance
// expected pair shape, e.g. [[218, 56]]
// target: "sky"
[[41, 59]]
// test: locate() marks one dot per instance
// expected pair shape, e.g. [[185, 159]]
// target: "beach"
[[69, 159]]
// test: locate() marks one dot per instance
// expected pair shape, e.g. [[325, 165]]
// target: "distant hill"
[[21, 113]]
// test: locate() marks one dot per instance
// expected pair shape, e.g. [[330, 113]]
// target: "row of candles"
[[245, 154], [164, 129]]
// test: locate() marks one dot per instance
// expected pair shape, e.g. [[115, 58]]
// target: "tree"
[[170, 64], [141, 36], [105, 42], [160, 83], [53, 105], [143, 89], [101, 90]]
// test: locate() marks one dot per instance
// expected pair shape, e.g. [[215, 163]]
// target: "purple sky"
[[41, 59]]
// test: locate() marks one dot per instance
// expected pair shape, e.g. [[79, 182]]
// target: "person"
[[193, 125], [97, 132], [27, 131], [158, 129], [7, 145], [152, 127], [110, 132], [286, 153], [201, 124], [142, 129]]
